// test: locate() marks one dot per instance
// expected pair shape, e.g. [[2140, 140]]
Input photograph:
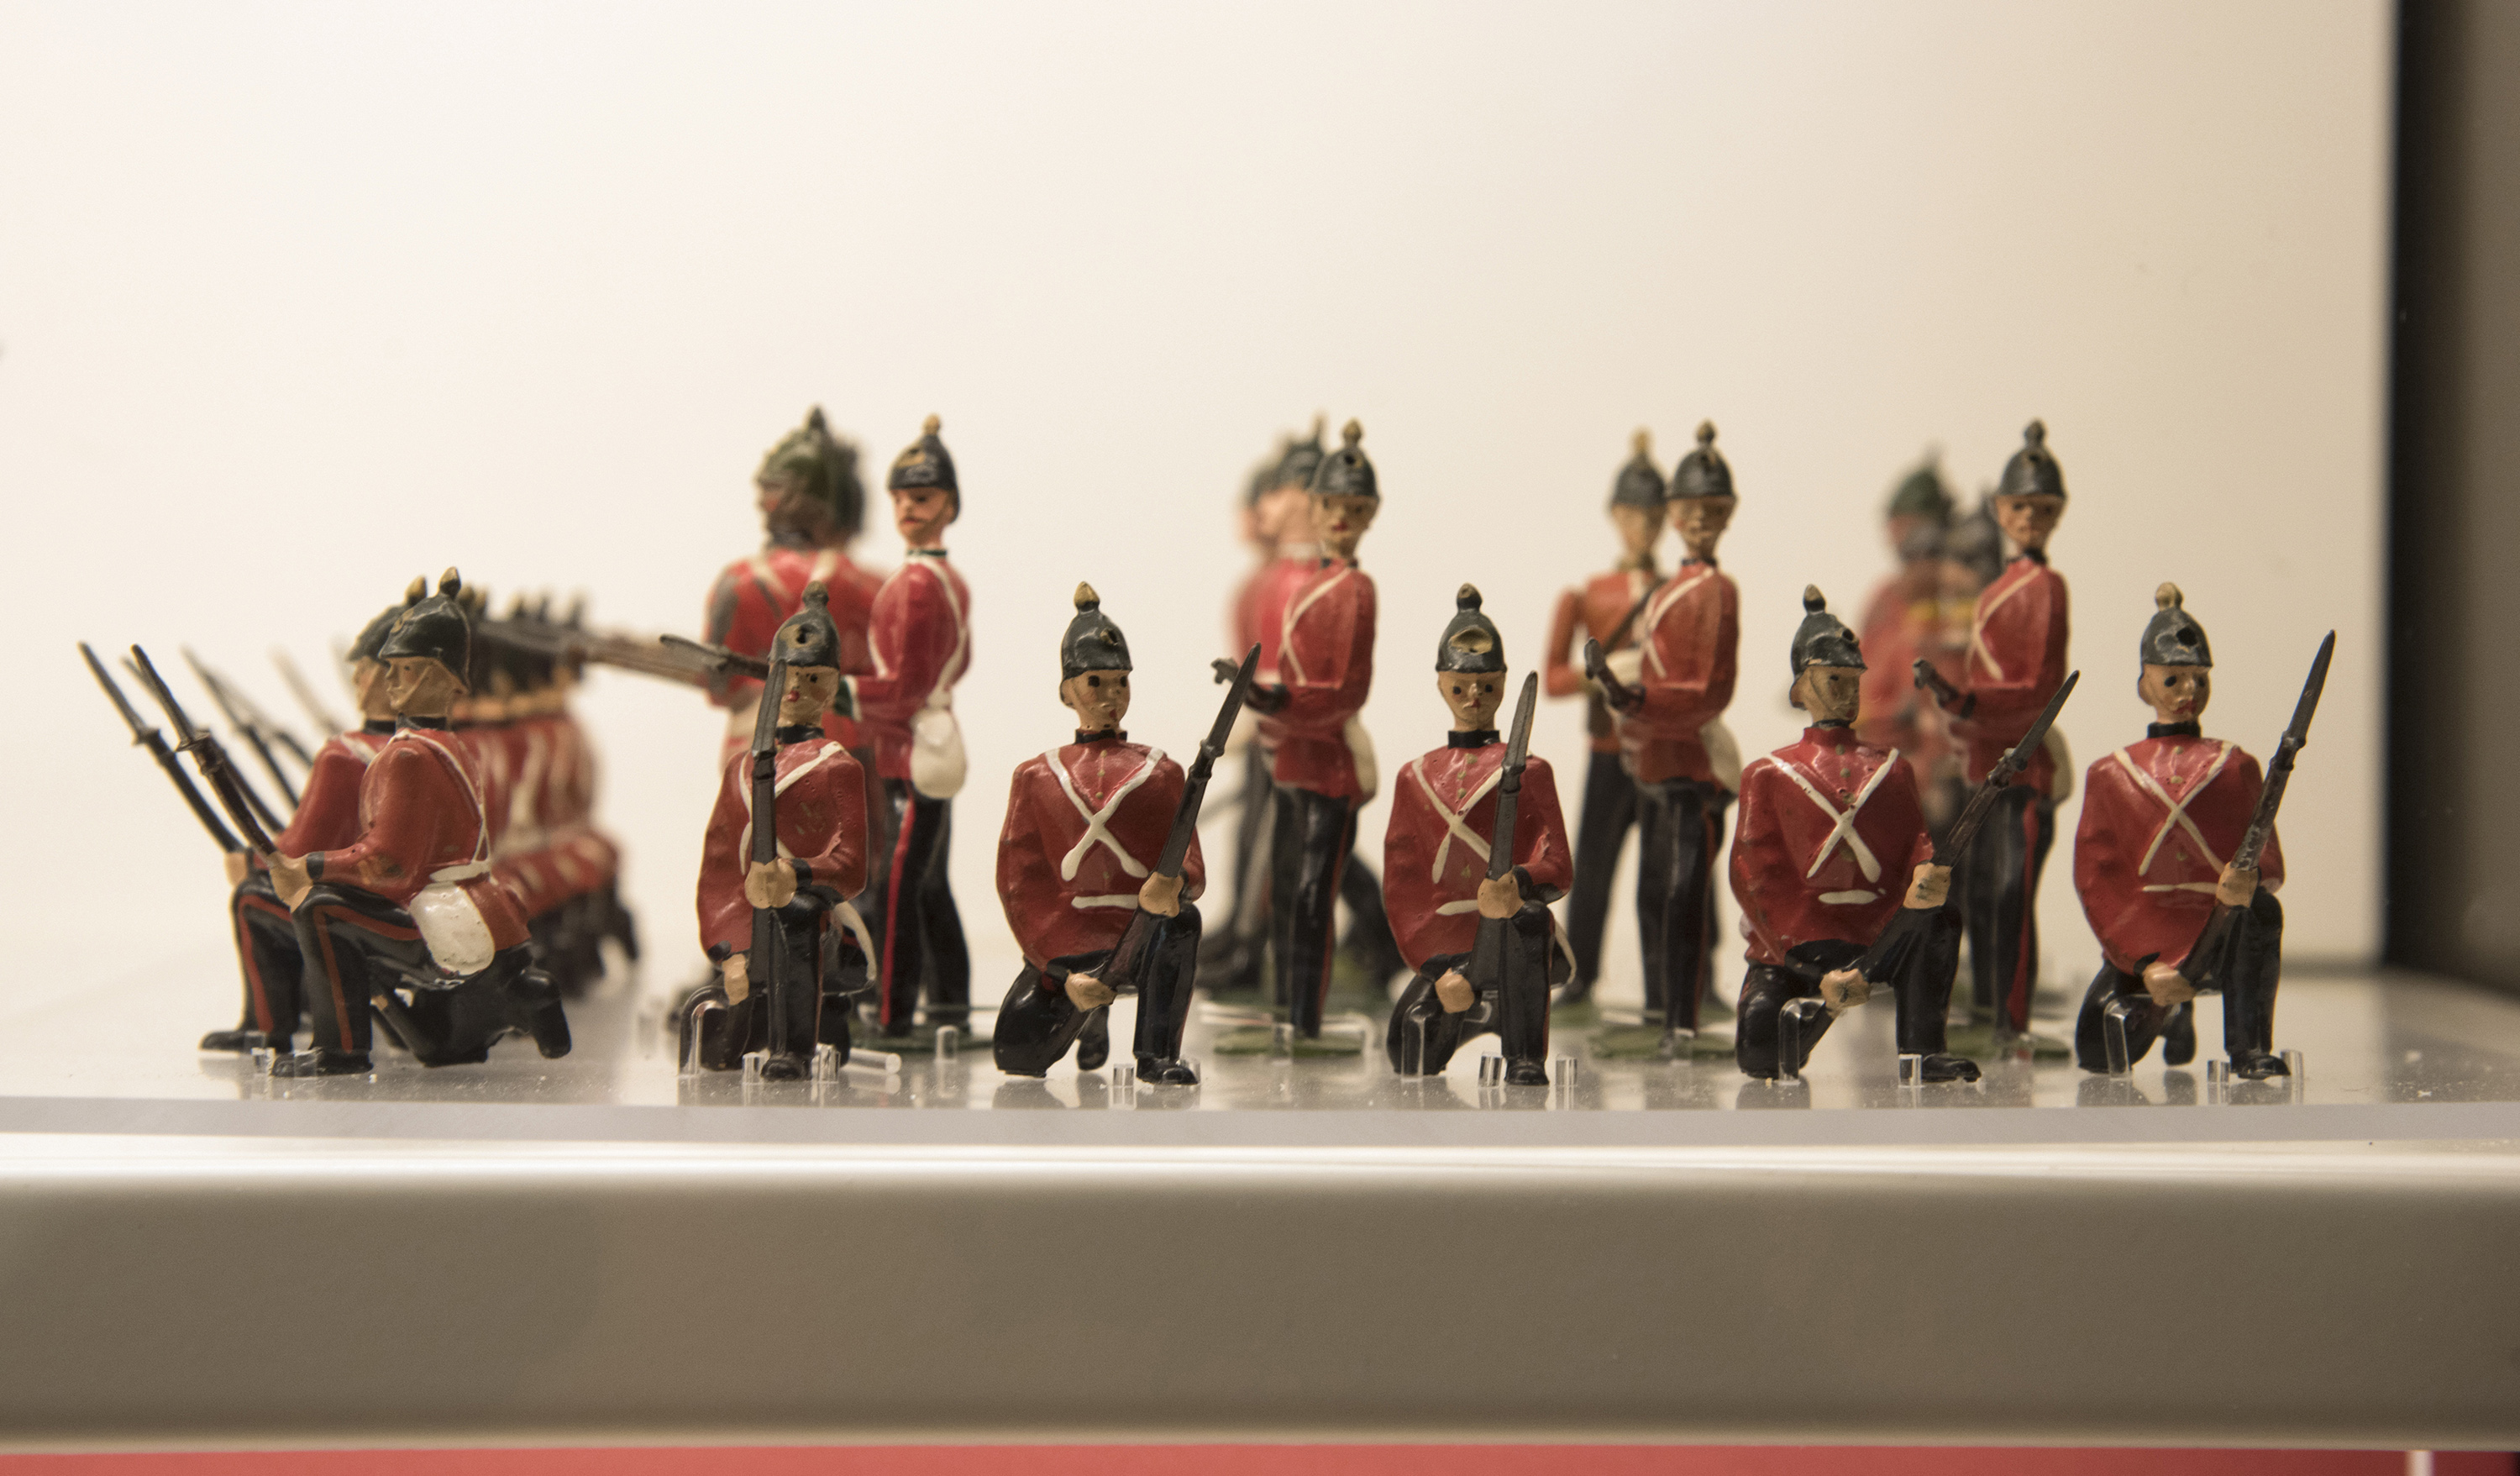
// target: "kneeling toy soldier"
[[785, 897], [1082, 859], [1831, 848], [2159, 819], [416, 885], [1472, 923]]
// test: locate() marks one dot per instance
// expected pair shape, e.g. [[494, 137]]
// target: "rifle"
[[1620, 697], [1950, 698], [1907, 927], [145, 736], [1128, 960], [234, 795], [259, 731], [768, 964], [305, 695], [2214, 945], [1486, 972]]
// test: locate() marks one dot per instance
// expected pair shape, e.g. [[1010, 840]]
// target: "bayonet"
[[2210, 960], [295, 680], [146, 737], [246, 719], [229, 786]]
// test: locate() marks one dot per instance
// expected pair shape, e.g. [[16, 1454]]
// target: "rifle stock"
[[1127, 966], [2209, 960], [1486, 972]]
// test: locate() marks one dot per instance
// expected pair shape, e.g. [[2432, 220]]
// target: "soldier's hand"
[[1499, 898], [2236, 886], [1843, 989], [289, 878], [1929, 887], [2168, 987], [770, 883], [738, 978], [1085, 992], [234, 864], [1265, 699], [1161, 895], [1454, 992]]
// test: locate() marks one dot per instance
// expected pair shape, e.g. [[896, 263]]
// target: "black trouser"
[[2256, 964], [1601, 834], [267, 956], [452, 1022], [1231, 956], [1036, 1024], [1369, 928], [923, 931], [1424, 1034], [1921, 989], [360, 948], [1679, 823], [807, 1004], [1313, 835], [1999, 886]]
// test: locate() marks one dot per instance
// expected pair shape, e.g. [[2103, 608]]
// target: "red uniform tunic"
[[328, 809], [1690, 632], [1085, 824], [1435, 854], [2016, 661], [1830, 831], [919, 639], [420, 820], [821, 829], [1270, 592], [753, 597], [1325, 663], [1591, 612], [2160, 818], [1899, 626]]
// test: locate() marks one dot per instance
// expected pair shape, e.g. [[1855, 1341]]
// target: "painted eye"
[[1092, 681]]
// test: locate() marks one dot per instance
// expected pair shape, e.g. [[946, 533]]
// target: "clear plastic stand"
[[1911, 1070], [1791, 1021], [1282, 1039], [826, 1063], [2113, 1037], [265, 1058], [1124, 1076], [1491, 1071], [2219, 1079], [885, 1061], [1564, 1071], [949, 1045], [1679, 1046], [688, 1067]]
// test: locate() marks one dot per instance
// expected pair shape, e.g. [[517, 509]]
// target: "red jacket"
[[1325, 663], [421, 814], [821, 829], [1899, 627], [1592, 612], [1269, 592], [1085, 824], [1690, 632], [753, 597], [919, 639], [1435, 854], [328, 809], [1799, 875], [2159, 819], [2016, 661]]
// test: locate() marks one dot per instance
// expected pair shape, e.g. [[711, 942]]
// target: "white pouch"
[[1627, 664], [1722, 753], [450, 925], [2060, 788], [936, 763], [1360, 751]]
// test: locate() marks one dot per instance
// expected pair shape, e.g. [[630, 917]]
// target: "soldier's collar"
[[924, 553], [1299, 552], [790, 538], [798, 733], [2038, 556], [1105, 735], [1643, 564], [434, 725], [2173, 729], [1476, 737], [1825, 724], [1709, 561], [377, 724]]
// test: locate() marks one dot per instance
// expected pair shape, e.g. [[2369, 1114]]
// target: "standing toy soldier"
[[2163, 845], [1606, 609], [1082, 861], [1671, 727], [783, 1006], [919, 642], [1830, 850], [2016, 660], [1474, 925], [415, 885], [1324, 769]]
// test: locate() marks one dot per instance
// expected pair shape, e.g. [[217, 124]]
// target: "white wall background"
[[297, 302]]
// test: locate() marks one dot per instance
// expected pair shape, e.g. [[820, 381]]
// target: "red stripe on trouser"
[[245, 955], [2016, 999], [333, 965], [892, 909]]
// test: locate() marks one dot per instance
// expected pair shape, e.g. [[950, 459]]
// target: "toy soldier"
[[327, 819], [1442, 886], [2016, 660], [1607, 607], [2157, 849], [1831, 847], [415, 885], [1323, 768], [1671, 729], [920, 644], [1080, 858], [819, 807], [1907, 620]]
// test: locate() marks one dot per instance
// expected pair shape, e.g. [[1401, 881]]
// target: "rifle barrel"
[[145, 736]]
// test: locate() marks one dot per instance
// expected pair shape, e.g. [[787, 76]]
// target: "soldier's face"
[[785, 509], [1282, 514], [1701, 522], [1639, 527], [1473, 699], [1099, 698], [1830, 693], [2029, 520], [2176, 693], [421, 687], [1339, 522], [368, 685], [922, 514], [809, 693]]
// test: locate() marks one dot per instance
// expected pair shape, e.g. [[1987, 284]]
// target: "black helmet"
[[1345, 472], [2032, 471], [2172, 637], [436, 627], [1702, 472], [1302, 459], [1471, 642], [1923, 492], [371, 638], [925, 464], [1264, 473], [808, 637], [1091, 642], [825, 465], [1822, 639], [1639, 483]]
